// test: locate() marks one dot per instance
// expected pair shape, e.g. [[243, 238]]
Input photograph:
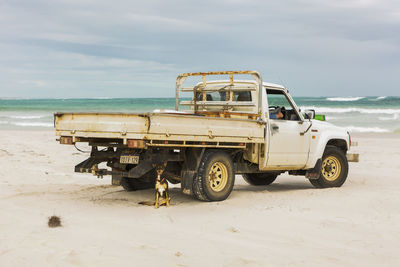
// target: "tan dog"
[[161, 192], [161, 188]]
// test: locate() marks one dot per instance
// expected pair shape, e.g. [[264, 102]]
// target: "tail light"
[[132, 143], [66, 140]]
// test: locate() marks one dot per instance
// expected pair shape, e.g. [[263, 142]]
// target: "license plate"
[[129, 159]]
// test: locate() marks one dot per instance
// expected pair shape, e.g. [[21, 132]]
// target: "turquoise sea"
[[358, 114]]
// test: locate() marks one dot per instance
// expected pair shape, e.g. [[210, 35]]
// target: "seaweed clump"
[[54, 221]]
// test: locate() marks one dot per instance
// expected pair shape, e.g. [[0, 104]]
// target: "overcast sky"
[[96, 48]]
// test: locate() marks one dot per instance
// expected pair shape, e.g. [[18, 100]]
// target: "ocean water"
[[358, 114]]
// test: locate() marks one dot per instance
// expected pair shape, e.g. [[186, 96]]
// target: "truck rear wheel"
[[215, 178], [147, 181], [259, 178], [334, 169]]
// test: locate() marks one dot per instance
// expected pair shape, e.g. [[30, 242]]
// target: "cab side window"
[[280, 106]]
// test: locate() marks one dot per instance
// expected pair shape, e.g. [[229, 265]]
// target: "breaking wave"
[[395, 117], [345, 98], [330, 118], [378, 98], [33, 124], [366, 129], [27, 117], [348, 110]]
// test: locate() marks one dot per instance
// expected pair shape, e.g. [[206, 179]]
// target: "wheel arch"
[[319, 148], [339, 143], [336, 142]]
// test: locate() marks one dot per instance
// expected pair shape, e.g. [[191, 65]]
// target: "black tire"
[[147, 181], [334, 169], [315, 183], [215, 177], [259, 178]]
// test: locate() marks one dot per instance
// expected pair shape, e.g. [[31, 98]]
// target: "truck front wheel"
[[259, 178], [215, 178], [334, 169]]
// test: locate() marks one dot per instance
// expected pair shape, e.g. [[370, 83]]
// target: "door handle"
[[275, 127]]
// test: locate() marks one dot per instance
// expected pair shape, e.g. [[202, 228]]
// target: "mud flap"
[[193, 158], [314, 172], [187, 182], [116, 179]]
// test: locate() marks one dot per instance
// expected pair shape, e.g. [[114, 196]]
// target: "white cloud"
[[73, 45]]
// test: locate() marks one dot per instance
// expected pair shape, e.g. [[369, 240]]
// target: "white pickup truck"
[[229, 127]]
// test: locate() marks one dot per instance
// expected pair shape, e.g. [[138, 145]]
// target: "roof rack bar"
[[255, 74], [215, 88], [218, 103]]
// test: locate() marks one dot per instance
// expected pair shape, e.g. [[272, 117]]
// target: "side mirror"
[[309, 114]]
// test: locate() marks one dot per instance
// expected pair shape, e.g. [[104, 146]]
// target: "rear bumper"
[[352, 157]]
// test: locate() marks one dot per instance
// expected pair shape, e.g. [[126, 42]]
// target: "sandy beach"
[[287, 223]]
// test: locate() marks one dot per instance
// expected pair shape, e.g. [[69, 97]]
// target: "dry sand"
[[287, 223]]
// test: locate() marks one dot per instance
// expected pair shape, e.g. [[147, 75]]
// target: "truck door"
[[287, 139]]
